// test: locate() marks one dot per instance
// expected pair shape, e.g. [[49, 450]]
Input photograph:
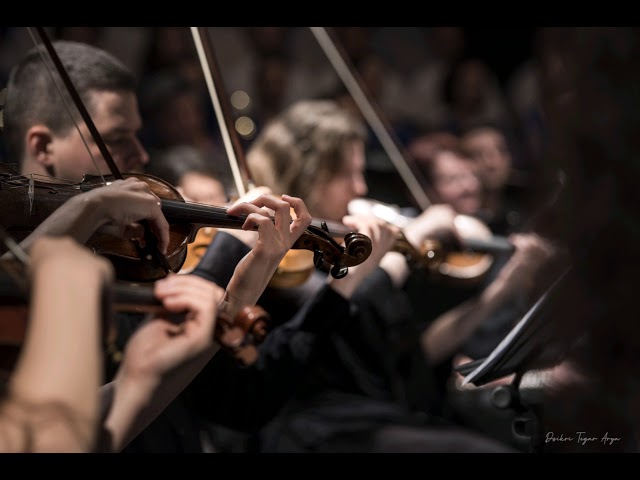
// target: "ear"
[[39, 139]]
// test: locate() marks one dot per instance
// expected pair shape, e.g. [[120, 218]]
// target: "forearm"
[[395, 265], [60, 365], [131, 404], [78, 218], [447, 333], [250, 279]]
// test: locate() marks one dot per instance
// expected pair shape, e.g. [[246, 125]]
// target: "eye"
[[115, 141]]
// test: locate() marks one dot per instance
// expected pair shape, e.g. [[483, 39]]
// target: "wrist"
[[396, 266], [93, 211], [134, 390]]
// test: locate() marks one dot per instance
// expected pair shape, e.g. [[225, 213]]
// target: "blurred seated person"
[[374, 385], [186, 168], [504, 199], [449, 172]]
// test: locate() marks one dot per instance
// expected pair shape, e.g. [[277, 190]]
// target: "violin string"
[[66, 104]]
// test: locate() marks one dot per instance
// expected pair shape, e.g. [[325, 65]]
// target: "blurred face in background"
[[488, 149], [201, 188], [456, 183]]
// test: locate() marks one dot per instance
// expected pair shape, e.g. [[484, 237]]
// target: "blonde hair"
[[303, 146]]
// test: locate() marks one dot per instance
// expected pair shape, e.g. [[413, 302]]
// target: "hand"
[[123, 203], [437, 221], [532, 254], [248, 237], [383, 236], [161, 345], [276, 236], [161, 358]]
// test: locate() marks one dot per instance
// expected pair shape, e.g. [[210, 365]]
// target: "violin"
[[26, 208], [239, 336], [297, 264], [28, 202], [456, 263]]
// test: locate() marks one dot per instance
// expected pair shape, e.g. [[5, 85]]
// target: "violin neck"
[[496, 245], [178, 212], [336, 229], [135, 298]]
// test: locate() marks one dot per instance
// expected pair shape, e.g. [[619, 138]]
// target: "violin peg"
[[338, 272]]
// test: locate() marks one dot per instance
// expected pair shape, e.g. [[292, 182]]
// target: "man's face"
[[116, 117], [456, 183], [489, 151]]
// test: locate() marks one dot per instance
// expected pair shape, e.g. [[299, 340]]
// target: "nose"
[[360, 185], [472, 183], [139, 157]]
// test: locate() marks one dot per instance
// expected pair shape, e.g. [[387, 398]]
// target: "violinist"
[[462, 176], [501, 189], [505, 192], [481, 314], [226, 392], [42, 136], [371, 387]]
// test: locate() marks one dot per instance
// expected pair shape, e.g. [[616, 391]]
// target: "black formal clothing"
[[370, 388], [242, 397]]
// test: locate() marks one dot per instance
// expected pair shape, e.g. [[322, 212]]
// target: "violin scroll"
[[241, 336], [328, 252]]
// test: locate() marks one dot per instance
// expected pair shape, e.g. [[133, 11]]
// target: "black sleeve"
[[378, 295], [245, 398], [220, 260]]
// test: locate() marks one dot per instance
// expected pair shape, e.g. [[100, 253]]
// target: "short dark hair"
[[33, 98]]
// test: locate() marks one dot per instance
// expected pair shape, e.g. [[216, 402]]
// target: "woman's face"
[[455, 182], [330, 200], [200, 188]]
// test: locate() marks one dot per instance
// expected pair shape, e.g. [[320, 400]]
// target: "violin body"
[[455, 265], [197, 249], [294, 269], [23, 212]]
